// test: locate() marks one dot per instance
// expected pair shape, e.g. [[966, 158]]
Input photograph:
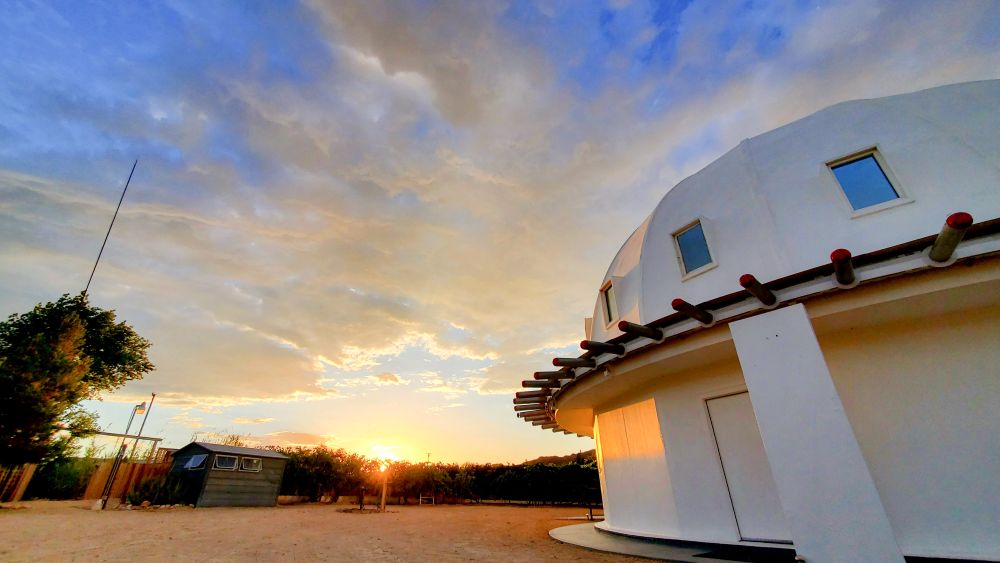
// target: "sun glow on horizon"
[[386, 453]]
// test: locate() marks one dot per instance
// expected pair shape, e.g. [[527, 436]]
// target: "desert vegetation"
[[318, 472]]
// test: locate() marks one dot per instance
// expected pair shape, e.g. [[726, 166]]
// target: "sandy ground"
[[61, 531]]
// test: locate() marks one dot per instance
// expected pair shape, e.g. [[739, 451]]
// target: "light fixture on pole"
[[143, 409], [118, 458]]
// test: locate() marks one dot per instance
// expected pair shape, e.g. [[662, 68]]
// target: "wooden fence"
[[14, 480], [129, 475]]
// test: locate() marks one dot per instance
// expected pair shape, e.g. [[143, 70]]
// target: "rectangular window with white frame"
[[692, 249], [252, 464], [225, 462], [609, 303], [864, 180]]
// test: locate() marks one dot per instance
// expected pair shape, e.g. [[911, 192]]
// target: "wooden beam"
[[697, 313], [522, 408], [546, 384], [555, 374], [758, 290], [549, 425], [535, 412], [640, 330], [602, 347], [843, 267], [574, 362], [530, 401], [951, 234]]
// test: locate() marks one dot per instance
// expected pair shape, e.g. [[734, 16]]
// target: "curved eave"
[[980, 240]]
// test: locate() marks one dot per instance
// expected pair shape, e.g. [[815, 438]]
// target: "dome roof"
[[774, 205]]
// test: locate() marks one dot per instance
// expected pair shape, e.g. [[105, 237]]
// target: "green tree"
[[51, 358]]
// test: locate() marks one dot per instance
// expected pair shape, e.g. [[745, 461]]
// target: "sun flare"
[[385, 453]]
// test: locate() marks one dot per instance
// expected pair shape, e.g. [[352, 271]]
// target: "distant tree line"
[[321, 471]]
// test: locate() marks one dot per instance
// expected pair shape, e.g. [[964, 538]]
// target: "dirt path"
[[60, 531]]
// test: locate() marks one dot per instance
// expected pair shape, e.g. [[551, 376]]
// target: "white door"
[[748, 473]]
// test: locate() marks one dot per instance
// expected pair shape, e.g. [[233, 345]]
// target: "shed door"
[[748, 473]]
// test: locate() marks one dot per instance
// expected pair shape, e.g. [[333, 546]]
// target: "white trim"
[[902, 198], [215, 462], [695, 273], [711, 265], [260, 464], [609, 319]]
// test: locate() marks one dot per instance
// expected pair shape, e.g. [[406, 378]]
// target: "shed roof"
[[234, 450]]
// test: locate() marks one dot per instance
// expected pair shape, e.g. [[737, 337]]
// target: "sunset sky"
[[362, 223]]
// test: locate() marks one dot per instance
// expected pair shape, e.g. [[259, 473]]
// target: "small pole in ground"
[[385, 479]]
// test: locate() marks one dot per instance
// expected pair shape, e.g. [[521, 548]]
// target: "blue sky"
[[362, 223]]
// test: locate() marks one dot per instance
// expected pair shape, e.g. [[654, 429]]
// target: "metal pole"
[[107, 234], [114, 466], [385, 479], [141, 426], [129, 425]]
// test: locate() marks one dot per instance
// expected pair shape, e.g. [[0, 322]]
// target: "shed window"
[[196, 461], [863, 180], [250, 464], [227, 462], [692, 247], [610, 305]]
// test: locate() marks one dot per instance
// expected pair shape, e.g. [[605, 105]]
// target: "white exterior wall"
[[928, 423], [635, 476], [700, 505], [913, 360], [771, 207], [826, 490]]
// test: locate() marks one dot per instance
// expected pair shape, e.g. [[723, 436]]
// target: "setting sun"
[[386, 453]]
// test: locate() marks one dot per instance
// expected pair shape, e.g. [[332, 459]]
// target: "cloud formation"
[[324, 189], [244, 420]]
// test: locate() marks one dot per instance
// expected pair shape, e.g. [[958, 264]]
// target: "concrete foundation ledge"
[[590, 537], [593, 536]]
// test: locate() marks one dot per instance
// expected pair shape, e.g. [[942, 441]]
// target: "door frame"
[[740, 390]]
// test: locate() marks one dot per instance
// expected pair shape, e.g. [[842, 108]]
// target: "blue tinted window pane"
[[694, 248], [864, 183]]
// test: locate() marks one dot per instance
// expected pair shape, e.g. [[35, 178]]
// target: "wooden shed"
[[220, 475]]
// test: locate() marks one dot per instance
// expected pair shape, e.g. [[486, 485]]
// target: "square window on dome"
[[610, 305], [693, 248], [864, 181]]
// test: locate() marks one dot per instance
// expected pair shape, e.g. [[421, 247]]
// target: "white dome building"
[[745, 386]]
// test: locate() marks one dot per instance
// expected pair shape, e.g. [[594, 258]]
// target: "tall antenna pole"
[[106, 235]]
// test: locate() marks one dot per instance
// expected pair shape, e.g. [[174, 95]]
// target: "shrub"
[[163, 489], [61, 479]]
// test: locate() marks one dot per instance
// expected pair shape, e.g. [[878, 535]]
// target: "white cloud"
[[244, 420], [186, 420], [436, 170]]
